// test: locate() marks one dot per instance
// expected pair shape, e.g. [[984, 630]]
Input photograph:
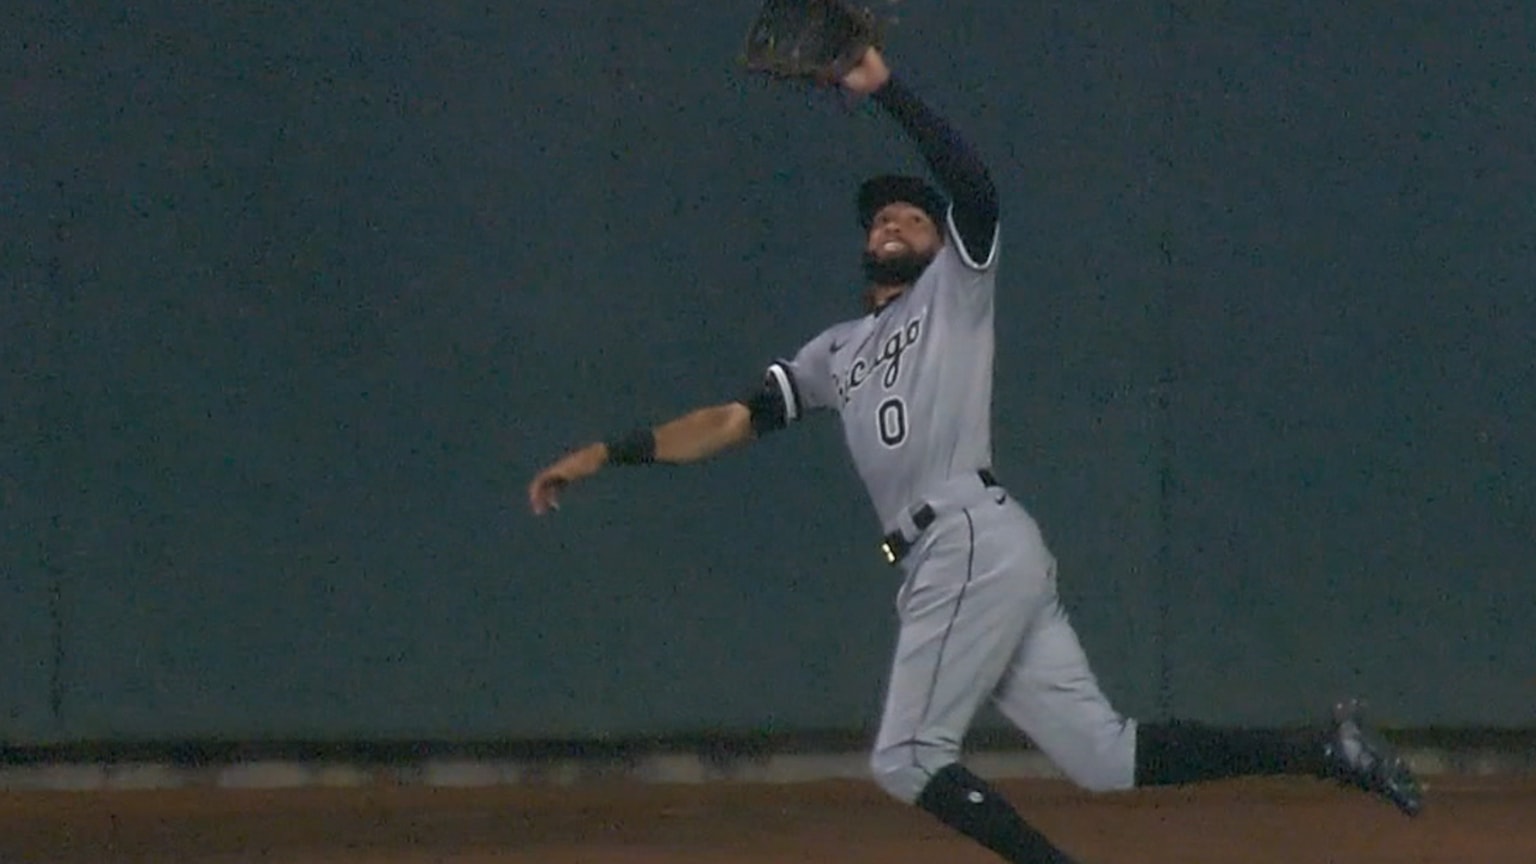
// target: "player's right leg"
[[963, 611]]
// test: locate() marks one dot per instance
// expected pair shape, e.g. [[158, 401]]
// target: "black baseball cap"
[[876, 192]]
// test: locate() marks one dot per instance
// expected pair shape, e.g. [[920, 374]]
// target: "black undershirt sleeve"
[[766, 407], [973, 195], [776, 403]]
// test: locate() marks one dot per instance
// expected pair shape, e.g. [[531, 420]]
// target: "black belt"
[[896, 545]]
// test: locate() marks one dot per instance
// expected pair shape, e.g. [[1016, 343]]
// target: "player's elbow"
[[730, 425], [736, 422], [703, 434]]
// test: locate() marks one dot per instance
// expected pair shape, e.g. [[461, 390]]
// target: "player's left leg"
[[1051, 694]]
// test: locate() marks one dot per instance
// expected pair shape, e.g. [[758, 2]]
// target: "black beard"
[[896, 270]]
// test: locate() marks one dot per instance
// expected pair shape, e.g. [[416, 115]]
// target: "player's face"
[[901, 244], [901, 230]]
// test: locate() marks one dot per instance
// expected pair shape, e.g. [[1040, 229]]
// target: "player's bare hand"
[[870, 75], [544, 491]]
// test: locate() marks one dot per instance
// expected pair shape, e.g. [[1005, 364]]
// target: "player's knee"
[[1098, 778], [903, 771], [1108, 766]]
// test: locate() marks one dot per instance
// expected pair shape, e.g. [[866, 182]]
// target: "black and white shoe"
[[1358, 756]]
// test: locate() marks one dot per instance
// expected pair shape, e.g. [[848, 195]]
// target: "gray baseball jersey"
[[912, 383], [980, 615]]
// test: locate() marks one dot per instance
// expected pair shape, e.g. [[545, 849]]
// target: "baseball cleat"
[[1358, 756]]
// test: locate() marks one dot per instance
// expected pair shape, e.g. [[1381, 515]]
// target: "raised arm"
[[692, 437], [956, 166]]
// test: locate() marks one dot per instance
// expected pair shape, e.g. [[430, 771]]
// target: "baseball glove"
[[809, 40]]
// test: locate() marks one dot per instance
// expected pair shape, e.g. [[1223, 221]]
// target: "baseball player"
[[911, 380]]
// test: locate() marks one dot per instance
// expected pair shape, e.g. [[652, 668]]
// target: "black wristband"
[[635, 447]]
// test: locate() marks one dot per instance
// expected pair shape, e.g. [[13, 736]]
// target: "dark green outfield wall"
[[294, 303]]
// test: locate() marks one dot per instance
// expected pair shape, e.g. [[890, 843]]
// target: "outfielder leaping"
[[980, 617]]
